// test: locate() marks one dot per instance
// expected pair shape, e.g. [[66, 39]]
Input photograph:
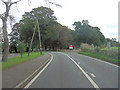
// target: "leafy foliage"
[[53, 34], [85, 33], [21, 47]]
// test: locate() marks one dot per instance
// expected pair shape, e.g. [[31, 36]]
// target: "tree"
[[21, 47], [4, 18], [85, 22], [53, 35], [65, 37], [84, 33], [45, 19], [14, 37]]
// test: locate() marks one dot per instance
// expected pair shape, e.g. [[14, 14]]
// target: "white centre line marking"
[[78, 62], [92, 75], [88, 77]]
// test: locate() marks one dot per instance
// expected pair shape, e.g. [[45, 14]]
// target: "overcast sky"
[[101, 13]]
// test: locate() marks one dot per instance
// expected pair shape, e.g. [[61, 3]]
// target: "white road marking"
[[28, 85], [18, 86], [78, 62], [107, 62], [99, 60], [87, 72], [88, 77], [92, 75]]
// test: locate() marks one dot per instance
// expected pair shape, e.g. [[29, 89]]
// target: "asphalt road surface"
[[70, 70]]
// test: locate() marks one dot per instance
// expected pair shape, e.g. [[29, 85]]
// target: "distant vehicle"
[[70, 47]]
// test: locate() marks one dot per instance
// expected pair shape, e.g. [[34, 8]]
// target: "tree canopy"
[[53, 34], [84, 33]]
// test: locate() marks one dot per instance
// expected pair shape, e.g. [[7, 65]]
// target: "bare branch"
[[14, 3], [53, 3], [17, 8], [10, 2], [1, 17], [4, 2], [12, 18], [29, 1]]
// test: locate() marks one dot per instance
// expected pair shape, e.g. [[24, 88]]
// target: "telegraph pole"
[[39, 38], [32, 39], [36, 26]]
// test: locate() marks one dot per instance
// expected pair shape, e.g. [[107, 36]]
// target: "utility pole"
[[32, 39], [36, 26], [39, 38]]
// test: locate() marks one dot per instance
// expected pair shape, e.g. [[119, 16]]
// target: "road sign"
[[70, 46]]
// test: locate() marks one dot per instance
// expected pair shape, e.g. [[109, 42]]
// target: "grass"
[[111, 48], [18, 59], [102, 57]]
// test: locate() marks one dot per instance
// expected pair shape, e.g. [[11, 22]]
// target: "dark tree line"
[[84, 33], [54, 36]]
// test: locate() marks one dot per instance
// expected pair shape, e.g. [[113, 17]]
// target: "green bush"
[[97, 49], [12, 52], [21, 47], [112, 53]]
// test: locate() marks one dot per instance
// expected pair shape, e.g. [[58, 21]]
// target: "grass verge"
[[111, 48], [18, 59], [102, 57]]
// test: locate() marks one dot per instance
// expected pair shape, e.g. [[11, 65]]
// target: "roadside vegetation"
[[107, 54], [56, 37], [18, 59], [112, 48]]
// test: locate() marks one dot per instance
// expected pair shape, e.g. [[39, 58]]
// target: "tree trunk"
[[5, 44], [5, 38], [4, 18]]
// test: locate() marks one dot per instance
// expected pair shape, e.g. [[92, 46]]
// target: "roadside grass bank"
[[102, 57], [18, 59]]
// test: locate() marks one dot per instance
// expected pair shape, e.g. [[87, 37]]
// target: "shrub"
[[97, 49], [85, 47], [21, 47], [112, 53]]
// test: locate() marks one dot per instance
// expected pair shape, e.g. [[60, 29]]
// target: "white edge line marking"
[[88, 77], [28, 85], [27, 78], [100, 60], [106, 62]]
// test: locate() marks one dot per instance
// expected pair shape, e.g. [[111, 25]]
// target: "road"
[[70, 70], [9, 56]]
